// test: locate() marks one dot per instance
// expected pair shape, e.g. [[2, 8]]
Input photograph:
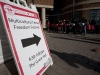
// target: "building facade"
[[44, 8], [90, 9]]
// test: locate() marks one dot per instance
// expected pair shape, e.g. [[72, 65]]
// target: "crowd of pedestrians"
[[74, 26]]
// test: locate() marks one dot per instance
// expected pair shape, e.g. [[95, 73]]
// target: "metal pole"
[[73, 9]]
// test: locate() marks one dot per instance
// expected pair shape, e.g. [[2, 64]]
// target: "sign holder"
[[26, 38], [5, 50]]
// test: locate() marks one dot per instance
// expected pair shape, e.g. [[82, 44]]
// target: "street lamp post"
[[73, 9]]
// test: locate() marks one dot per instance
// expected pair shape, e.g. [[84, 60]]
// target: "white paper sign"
[[27, 39]]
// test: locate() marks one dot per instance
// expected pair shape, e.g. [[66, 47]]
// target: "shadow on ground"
[[71, 59], [10, 65]]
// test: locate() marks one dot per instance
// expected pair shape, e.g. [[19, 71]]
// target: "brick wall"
[[69, 2], [85, 11], [43, 2], [66, 2], [91, 5], [66, 16], [86, 14]]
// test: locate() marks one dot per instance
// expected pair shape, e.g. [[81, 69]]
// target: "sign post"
[[27, 40]]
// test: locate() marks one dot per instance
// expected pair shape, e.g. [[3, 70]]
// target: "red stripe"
[[44, 37], [24, 10], [11, 39], [27, 15], [46, 46], [40, 71]]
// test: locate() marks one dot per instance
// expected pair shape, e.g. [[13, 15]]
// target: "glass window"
[[95, 15], [77, 15]]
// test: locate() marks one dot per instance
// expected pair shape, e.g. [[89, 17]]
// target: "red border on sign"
[[11, 39]]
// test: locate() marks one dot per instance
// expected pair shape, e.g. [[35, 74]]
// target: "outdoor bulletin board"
[[27, 40]]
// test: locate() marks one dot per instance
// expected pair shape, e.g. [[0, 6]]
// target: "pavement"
[[74, 54], [71, 54]]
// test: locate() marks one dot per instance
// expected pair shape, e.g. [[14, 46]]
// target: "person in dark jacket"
[[74, 24], [67, 26], [83, 25], [48, 25]]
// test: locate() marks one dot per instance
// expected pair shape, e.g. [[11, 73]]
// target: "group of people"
[[64, 26], [79, 26], [74, 26]]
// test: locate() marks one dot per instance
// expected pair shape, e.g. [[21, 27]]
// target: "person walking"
[[83, 26], [64, 26], [48, 25], [68, 26], [73, 24]]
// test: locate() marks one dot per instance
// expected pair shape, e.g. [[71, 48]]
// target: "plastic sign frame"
[[27, 40]]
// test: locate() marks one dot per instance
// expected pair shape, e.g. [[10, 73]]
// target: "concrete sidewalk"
[[74, 54], [71, 54]]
